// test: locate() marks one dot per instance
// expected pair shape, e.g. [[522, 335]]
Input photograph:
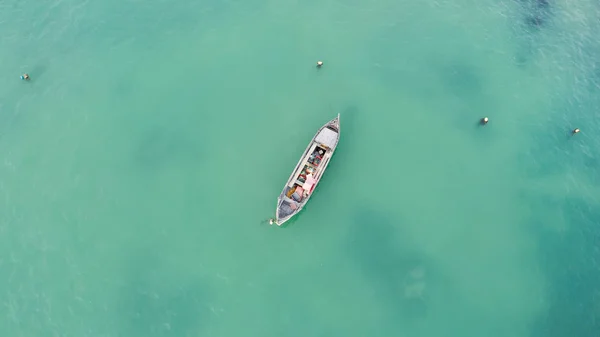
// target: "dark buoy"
[[319, 64], [576, 130], [25, 77], [484, 120]]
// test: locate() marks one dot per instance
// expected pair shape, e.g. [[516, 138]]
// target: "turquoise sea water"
[[139, 165]]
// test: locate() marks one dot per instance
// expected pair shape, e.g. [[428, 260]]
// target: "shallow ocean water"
[[141, 162]]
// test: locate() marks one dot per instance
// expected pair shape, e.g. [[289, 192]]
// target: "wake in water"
[[270, 221]]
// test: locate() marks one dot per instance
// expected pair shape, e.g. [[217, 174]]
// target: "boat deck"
[[287, 207]]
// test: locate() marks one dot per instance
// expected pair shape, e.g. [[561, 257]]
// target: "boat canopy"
[[327, 137]]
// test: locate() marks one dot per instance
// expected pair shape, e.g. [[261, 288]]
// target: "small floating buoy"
[[25, 77], [484, 120], [319, 64], [576, 130]]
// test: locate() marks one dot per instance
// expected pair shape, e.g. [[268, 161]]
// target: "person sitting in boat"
[[309, 184]]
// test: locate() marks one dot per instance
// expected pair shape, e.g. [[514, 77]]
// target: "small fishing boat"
[[308, 171]]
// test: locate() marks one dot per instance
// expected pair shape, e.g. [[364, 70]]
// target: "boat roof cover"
[[327, 137]]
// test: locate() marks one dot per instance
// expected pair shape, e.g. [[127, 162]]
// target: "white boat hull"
[[308, 172]]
